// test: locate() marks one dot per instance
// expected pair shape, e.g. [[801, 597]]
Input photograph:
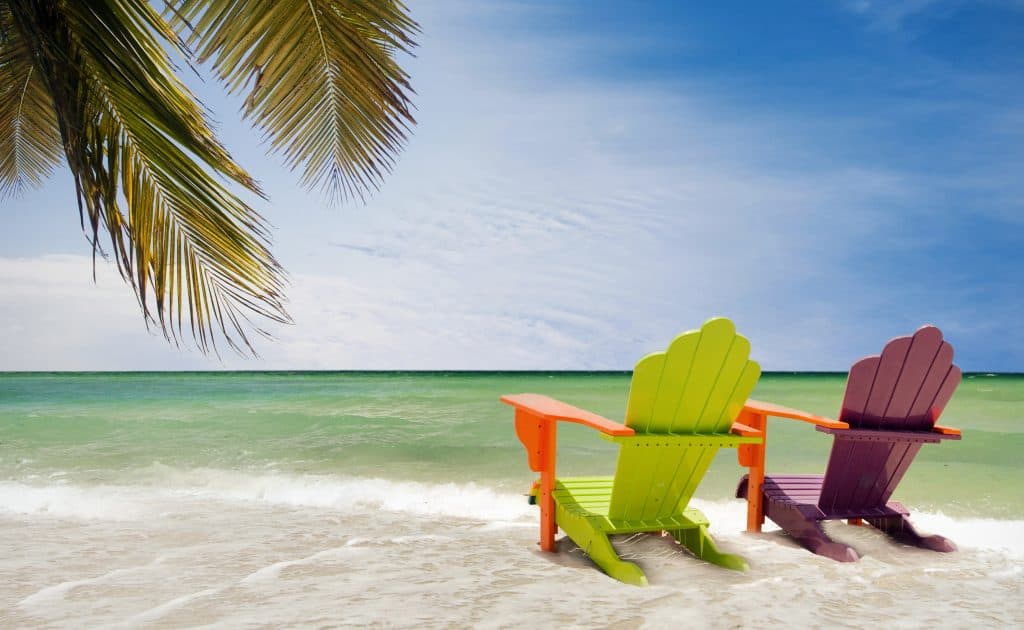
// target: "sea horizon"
[[273, 273], [443, 371], [252, 497]]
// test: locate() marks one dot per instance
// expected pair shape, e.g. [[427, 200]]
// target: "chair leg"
[[598, 547], [699, 542], [900, 529], [810, 535]]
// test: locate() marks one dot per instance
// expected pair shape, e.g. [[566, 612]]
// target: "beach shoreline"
[[268, 500]]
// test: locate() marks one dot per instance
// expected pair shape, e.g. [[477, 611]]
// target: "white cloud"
[[893, 15], [53, 317], [890, 15], [540, 220]]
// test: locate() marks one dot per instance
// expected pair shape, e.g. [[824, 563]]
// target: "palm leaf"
[[29, 138], [136, 141], [323, 84]]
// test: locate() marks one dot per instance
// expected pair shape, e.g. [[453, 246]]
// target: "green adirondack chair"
[[681, 410]]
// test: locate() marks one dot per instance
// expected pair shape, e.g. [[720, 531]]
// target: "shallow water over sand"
[[302, 551], [267, 500]]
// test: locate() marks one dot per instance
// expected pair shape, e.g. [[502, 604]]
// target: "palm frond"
[[135, 140], [29, 138], [323, 84]]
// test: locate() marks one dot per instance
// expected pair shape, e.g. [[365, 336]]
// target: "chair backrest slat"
[[862, 474], [903, 389], [696, 387]]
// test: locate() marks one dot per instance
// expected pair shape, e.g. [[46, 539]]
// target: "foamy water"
[[325, 500], [224, 548]]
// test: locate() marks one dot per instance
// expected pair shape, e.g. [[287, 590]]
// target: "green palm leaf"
[[92, 80], [29, 138], [323, 83], [134, 138]]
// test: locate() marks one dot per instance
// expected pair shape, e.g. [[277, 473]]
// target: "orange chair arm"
[[778, 411], [945, 430], [741, 429], [754, 417], [536, 424], [548, 408]]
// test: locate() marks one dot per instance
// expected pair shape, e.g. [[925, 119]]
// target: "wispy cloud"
[[891, 15], [579, 224], [53, 317], [543, 219]]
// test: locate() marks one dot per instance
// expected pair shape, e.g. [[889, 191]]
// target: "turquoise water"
[[125, 428], [396, 499]]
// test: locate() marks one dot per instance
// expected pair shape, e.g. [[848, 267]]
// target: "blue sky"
[[586, 181]]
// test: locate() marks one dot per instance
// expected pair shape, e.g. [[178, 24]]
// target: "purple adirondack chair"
[[891, 404]]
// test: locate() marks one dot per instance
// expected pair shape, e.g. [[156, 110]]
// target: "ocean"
[[397, 500]]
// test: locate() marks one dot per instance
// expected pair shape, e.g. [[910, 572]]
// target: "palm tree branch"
[[30, 143], [323, 85], [184, 240]]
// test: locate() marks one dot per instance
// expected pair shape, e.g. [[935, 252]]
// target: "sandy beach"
[[397, 500], [305, 553]]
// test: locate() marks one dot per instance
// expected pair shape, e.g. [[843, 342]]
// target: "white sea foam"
[[163, 609], [1001, 535], [48, 594], [345, 494], [68, 501], [272, 571], [975, 533], [465, 500], [352, 496], [241, 550]]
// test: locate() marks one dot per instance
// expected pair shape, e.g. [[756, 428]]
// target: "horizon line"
[[460, 372]]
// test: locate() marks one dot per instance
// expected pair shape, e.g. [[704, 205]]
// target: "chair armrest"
[[945, 430], [778, 411], [739, 428], [550, 409]]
